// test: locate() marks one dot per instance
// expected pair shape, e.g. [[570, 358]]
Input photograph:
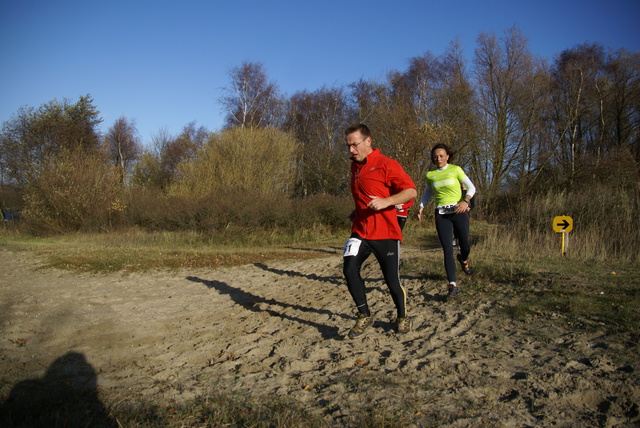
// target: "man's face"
[[359, 146]]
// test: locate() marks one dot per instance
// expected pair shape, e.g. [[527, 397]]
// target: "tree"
[[122, 146], [158, 167], [623, 101], [396, 127], [150, 170], [251, 100], [317, 119], [577, 75], [33, 136], [506, 106], [433, 99], [454, 110], [390, 111], [184, 147]]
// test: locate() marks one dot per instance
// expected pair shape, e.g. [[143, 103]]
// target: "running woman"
[[452, 210], [378, 184]]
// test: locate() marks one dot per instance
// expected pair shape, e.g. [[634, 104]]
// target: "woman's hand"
[[463, 206]]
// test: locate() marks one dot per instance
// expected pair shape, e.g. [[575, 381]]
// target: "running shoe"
[[403, 325], [465, 265], [361, 325], [453, 291]]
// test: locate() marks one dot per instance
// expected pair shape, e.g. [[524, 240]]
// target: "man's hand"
[[378, 203]]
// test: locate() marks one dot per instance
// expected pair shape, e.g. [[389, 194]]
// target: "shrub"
[[74, 191], [256, 161]]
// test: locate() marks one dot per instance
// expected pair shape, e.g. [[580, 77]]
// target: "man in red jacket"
[[378, 184]]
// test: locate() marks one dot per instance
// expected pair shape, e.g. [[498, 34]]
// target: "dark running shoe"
[[361, 325], [465, 265], [403, 325], [453, 291]]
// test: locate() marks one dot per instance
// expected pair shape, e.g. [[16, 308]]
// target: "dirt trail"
[[278, 328]]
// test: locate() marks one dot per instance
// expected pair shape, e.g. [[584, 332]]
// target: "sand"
[[278, 329]]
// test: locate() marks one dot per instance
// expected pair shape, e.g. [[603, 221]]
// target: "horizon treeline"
[[522, 126]]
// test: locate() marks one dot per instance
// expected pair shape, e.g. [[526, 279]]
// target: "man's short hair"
[[362, 128]]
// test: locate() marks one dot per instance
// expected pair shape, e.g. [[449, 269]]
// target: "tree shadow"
[[330, 279], [253, 303], [333, 250], [66, 396]]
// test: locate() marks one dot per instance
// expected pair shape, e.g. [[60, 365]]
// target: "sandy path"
[[278, 327]]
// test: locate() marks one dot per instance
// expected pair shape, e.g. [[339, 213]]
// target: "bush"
[[74, 191], [255, 161], [236, 210], [328, 210]]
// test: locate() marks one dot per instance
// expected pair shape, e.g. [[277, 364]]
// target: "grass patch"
[[219, 410], [585, 295], [532, 279], [56, 404], [136, 250], [524, 282]]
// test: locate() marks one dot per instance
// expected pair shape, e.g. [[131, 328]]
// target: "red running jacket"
[[382, 177]]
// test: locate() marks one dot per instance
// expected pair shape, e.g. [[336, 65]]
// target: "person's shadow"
[[65, 397]]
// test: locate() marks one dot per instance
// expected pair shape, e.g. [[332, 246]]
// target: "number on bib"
[[352, 247], [447, 209]]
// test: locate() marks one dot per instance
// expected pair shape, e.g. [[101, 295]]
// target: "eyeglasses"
[[354, 144]]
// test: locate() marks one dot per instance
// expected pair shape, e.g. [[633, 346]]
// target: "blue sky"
[[163, 63]]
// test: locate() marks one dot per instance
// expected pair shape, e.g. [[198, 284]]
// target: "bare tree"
[[122, 145], [251, 100], [158, 167], [504, 77], [317, 120], [182, 148], [577, 75], [397, 128], [441, 94], [623, 100], [455, 103]]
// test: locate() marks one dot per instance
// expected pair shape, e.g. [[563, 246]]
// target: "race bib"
[[447, 209], [352, 247]]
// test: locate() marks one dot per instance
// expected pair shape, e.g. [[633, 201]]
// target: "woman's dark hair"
[[447, 150]]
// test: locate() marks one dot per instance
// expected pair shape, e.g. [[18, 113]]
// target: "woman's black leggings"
[[446, 226], [387, 251]]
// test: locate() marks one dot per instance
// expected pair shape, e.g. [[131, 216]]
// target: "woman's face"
[[440, 157]]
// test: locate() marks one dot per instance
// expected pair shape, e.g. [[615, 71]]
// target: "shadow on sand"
[[65, 397], [256, 303]]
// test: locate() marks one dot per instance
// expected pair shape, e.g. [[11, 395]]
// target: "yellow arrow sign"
[[562, 223]]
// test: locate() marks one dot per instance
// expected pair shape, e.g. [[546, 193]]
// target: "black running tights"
[[446, 226], [387, 252]]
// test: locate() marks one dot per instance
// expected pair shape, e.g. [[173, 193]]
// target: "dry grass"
[[136, 250], [525, 272]]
